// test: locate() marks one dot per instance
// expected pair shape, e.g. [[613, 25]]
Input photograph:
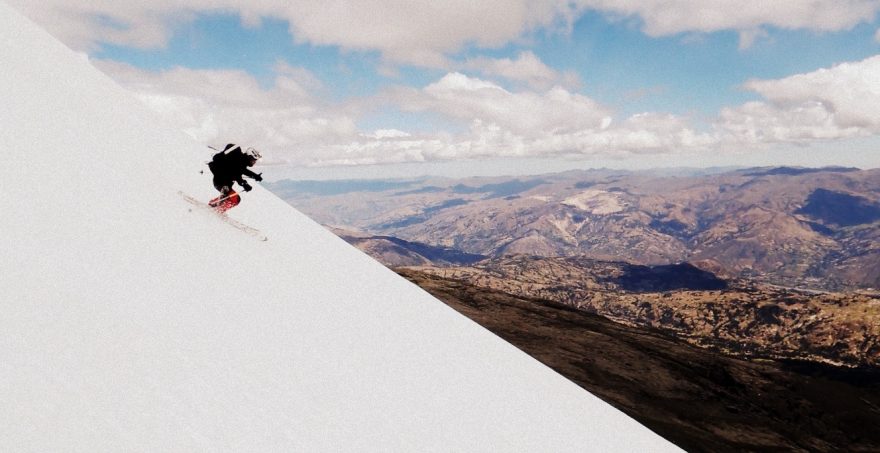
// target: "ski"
[[225, 218]]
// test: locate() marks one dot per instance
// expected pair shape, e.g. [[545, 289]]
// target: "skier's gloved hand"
[[247, 187], [259, 177]]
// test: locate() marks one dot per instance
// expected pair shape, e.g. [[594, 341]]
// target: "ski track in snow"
[[203, 207]]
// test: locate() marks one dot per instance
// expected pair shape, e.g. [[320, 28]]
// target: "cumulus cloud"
[[832, 103], [526, 69], [293, 126], [664, 17], [551, 123], [826, 104], [216, 106], [420, 32], [423, 32], [414, 32], [527, 112]]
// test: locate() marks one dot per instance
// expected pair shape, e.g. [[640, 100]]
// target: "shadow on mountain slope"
[[683, 276], [837, 208]]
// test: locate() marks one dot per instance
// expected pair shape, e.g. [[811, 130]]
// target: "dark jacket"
[[231, 165]]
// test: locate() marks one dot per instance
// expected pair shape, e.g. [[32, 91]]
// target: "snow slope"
[[129, 323]]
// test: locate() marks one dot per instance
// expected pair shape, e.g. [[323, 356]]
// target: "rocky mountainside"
[[798, 227], [735, 317], [738, 317], [700, 400]]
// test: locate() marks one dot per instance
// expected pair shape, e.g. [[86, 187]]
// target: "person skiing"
[[228, 166]]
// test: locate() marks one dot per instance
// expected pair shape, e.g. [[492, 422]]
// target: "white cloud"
[[291, 125], [665, 17], [388, 133], [419, 32], [217, 106], [527, 69], [827, 104], [556, 110], [552, 123], [838, 102], [415, 32], [424, 32]]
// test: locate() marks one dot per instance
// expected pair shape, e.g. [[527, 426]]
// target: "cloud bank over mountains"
[[829, 103], [506, 107], [832, 103]]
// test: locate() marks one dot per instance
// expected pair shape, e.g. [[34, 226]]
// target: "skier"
[[228, 166]]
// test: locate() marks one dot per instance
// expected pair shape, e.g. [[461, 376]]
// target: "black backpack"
[[227, 151], [221, 160]]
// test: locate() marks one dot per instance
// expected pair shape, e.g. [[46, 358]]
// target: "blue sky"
[[567, 83], [220, 41], [615, 60]]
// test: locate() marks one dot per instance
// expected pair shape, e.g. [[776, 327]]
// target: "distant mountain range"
[[796, 227], [715, 259]]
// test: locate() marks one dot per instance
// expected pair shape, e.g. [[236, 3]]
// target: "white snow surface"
[[130, 323]]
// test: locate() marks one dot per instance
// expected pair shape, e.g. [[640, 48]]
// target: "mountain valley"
[[794, 227]]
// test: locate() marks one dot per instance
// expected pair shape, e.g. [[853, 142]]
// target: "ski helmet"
[[253, 154]]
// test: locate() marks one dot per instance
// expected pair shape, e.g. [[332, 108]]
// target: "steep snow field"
[[129, 323]]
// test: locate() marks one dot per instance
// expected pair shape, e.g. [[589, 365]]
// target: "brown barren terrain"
[[735, 317]]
